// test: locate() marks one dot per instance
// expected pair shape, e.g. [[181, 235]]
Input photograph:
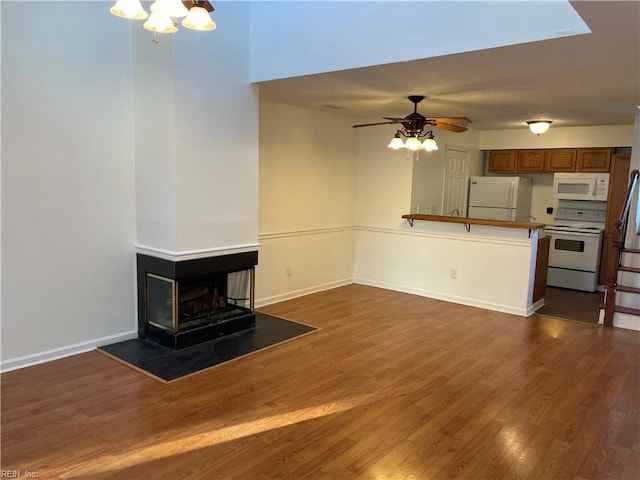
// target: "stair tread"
[[631, 250], [624, 288], [629, 269], [628, 310]]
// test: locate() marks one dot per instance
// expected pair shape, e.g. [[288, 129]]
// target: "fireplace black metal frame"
[[187, 270]]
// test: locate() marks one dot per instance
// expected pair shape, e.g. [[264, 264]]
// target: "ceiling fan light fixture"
[[163, 12], [538, 127]]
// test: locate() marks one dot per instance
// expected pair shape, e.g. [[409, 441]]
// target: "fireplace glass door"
[[177, 306]]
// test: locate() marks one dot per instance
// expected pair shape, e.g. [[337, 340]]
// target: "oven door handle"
[[557, 233]]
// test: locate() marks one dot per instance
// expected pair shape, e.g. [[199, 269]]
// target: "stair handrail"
[[622, 223], [618, 238]]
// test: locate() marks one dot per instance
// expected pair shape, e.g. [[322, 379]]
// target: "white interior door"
[[456, 182]]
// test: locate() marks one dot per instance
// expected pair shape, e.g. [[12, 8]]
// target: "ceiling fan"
[[415, 122]]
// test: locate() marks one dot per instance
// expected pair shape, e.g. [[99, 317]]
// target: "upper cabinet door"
[[561, 160], [502, 161], [530, 161], [594, 160]]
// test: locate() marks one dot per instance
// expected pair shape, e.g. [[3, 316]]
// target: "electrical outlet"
[[289, 272], [453, 273]]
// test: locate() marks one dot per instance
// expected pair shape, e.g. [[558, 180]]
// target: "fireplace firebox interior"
[[188, 302]]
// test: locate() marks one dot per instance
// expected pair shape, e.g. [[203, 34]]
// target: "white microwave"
[[581, 186]]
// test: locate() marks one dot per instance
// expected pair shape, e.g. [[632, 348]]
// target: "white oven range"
[[576, 243]]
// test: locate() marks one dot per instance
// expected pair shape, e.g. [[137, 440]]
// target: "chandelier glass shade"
[[160, 24], [169, 8], [199, 19], [163, 13], [131, 9]]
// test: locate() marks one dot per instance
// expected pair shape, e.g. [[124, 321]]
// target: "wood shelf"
[[467, 222]]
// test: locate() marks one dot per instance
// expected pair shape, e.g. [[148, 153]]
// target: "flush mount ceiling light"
[[539, 126], [164, 11]]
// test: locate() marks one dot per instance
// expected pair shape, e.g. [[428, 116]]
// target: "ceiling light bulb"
[[199, 19], [169, 8], [413, 144], [160, 24], [129, 9], [539, 126]]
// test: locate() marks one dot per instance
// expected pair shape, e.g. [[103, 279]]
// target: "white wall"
[[427, 186], [491, 270], [317, 36], [311, 166], [197, 138], [390, 254], [558, 137], [217, 132], [307, 201], [68, 218]]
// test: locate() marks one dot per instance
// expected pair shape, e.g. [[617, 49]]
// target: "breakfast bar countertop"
[[410, 217]]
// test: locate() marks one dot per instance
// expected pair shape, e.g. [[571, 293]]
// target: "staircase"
[[622, 298]]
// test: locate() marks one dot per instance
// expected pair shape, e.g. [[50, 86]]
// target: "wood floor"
[[572, 304], [393, 386]]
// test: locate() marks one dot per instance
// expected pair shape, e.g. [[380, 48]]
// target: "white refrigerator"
[[500, 198]]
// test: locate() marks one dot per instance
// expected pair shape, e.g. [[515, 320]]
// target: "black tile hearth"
[[168, 365]]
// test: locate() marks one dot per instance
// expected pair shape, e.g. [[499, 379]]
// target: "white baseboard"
[[302, 292], [523, 312], [62, 352], [533, 308]]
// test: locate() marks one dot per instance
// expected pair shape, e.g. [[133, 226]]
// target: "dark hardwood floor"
[[393, 386], [572, 304]]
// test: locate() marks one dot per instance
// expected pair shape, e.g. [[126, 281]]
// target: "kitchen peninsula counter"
[[471, 221], [493, 264]]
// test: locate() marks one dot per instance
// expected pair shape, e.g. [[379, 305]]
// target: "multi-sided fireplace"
[[192, 301]]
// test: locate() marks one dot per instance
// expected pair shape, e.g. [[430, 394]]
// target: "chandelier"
[[195, 13], [413, 142]]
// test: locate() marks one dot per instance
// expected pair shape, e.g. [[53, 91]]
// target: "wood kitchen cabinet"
[[561, 160], [588, 160], [594, 160], [618, 183], [531, 161], [502, 161]]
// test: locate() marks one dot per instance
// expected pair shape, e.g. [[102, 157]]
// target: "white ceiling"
[[583, 80]]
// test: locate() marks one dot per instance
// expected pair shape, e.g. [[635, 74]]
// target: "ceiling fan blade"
[[396, 119], [370, 124], [450, 127], [451, 119]]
